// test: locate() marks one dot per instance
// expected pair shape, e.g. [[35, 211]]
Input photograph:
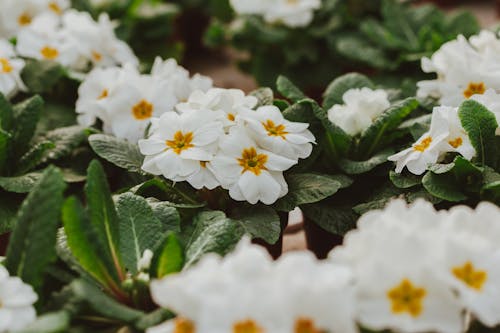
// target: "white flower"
[[145, 262], [228, 103], [274, 133], [10, 70], [361, 107], [244, 7], [446, 135], [16, 303], [250, 173], [182, 85], [180, 146], [292, 13], [97, 42]]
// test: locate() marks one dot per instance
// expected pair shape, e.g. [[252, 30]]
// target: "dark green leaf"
[[337, 88], [289, 90], [359, 167], [34, 156], [119, 152], [337, 220], [26, 115], [20, 184], [443, 186], [6, 114], [41, 76], [259, 221], [264, 95], [65, 140], [55, 322], [168, 259], [404, 181]]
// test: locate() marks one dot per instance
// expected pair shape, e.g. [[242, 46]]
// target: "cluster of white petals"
[[464, 68], [446, 135], [247, 292], [292, 13], [10, 69], [16, 303], [361, 108], [125, 100], [220, 138], [407, 269]]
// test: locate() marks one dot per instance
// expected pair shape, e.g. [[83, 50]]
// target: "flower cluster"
[[16, 303], [126, 101], [361, 107], [406, 268], [464, 68], [446, 135], [294, 14], [218, 138]]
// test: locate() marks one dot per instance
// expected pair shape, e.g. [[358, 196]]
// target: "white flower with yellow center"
[[10, 70], [180, 146], [44, 40], [361, 108], [228, 103], [274, 133], [97, 42], [16, 303], [178, 77], [249, 172], [292, 13]]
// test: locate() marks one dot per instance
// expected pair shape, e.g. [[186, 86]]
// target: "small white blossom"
[[10, 70]]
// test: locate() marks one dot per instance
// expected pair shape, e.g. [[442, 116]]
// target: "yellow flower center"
[[231, 117], [423, 145], [104, 94], [292, 2], [251, 161], [275, 130], [203, 164], [183, 325], [24, 19], [5, 65], [53, 6], [247, 326], [305, 325], [96, 56], [49, 53], [407, 298], [142, 110], [468, 274], [456, 142], [180, 142], [474, 88]]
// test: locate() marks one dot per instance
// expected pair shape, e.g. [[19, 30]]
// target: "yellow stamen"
[[251, 161], [231, 117], [49, 53], [180, 142], [423, 145], [456, 143], [407, 298], [275, 130], [203, 164], [5, 65], [474, 89], [468, 274], [24, 19], [96, 56], [142, 110], [305, 325], [53, 6], [247, 326], [104, 94], [183, 325]]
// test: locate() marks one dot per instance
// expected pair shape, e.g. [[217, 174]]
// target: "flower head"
[[10, 70]]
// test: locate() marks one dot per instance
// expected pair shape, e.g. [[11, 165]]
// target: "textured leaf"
[[65, 140], [302, 111], [289, 90], [358, 167], [34, 156], [121, 153], [443, 186], [307, 188], [26, 115], [6, 114], [480, 124], [337, 142], [140, 230], [337, 88], [264, 95], [41, 76], [167, 214], [20, 184], [260, 221], [32, 244], [169, 259], [336, 220], [8, 210], [214, 233], [4, 149], [103, 215], [358, 49], [404, 181]]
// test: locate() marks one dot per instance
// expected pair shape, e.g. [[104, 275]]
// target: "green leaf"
[[214, 232], [169, 259], [103, 215], [140, 230], [404, 181], [259, 221], [302, 111], [4, 148], [26, 115], [65, 140], [336, 220], [166, 213], [41, 76], [20, 184], [358, 49], [443, 186], [54, 322], [32, 243], [6, 114], [358, 167], [337, 142], [480, 124], [121, 153], [154, 318], [373, 138], [8, 210], [307, 188], [264, 95], [34, 156], [289, 90], [337, 88]]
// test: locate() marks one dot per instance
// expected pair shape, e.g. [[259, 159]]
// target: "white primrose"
[[250, 173], [10, 70], [244, 7], [181, 146], [273, 132], [17, 301], [292, 13], [361, 108]]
